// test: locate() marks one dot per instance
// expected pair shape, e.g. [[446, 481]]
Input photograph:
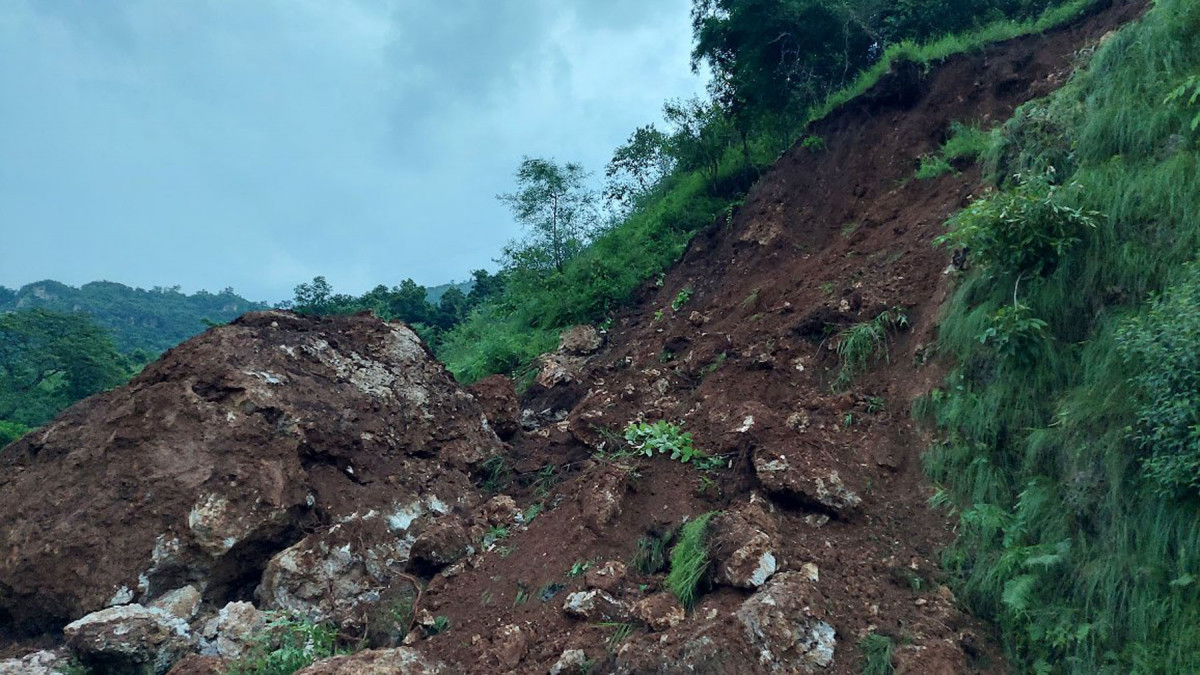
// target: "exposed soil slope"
[[827, 238]]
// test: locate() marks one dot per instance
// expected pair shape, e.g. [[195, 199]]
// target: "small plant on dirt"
[[493, 535], [752, 299], [285, 646], [545, 481], [858, 344], [848, 420], [522, 596], [827, 288], [532, 511], [681, 299], [933, 166], [876, 404], [651, 554], [658, 315], [662, 437], [620, 633], [812, 143], [689, 560], [708, 487], [579, 568], [495, 474], [877, 654], [440, 625], [716, 364]]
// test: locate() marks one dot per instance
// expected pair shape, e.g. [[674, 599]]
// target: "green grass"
[[651, 554], [1067, 538], [863, 342], [689, 560], [877, 654]]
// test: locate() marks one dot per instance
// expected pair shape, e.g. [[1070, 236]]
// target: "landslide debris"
[[289, 461]]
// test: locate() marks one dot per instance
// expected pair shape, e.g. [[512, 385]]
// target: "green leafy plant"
[[1014, 332], [1024, 230], [440, 625], [1187, 93], [495, 474], [681, 299], [690, 560], [877, 654], [933, 166], [662, 437], [858, 344], [1163, 347], [620, 633], [286, 645], [579, 568]]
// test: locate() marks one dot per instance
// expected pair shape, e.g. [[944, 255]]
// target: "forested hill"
[[150, 320]]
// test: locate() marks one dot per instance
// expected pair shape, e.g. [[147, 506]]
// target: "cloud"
[[256, 145]]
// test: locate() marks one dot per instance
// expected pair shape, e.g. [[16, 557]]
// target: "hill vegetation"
[[148, 321], [1071, 426]]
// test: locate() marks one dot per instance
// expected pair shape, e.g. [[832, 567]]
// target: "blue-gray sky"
[[259, 143]]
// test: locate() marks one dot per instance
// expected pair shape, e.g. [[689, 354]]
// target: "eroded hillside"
[[332, 470]]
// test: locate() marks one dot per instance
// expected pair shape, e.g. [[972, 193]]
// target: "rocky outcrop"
[[216, 459]]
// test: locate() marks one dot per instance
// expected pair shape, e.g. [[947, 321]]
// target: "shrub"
[[1164, 346], [11, 431], [689, 560], [1014, 333], [1020, 231]]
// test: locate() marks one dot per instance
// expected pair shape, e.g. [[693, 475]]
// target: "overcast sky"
[[259, 143]]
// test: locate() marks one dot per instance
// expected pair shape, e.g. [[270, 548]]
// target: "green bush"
[[689, 560], [1020, 231], [11, 431], [1163, 346]]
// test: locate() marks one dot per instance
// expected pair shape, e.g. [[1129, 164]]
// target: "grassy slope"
[[506, 336], [1087, 564]]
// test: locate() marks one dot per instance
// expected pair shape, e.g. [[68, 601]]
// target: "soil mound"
[[237, 445]]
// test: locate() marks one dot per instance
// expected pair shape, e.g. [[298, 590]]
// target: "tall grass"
[[1064, 541]]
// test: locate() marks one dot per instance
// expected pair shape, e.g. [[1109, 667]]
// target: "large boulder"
[[786, 622], [223, 454], [129, 639]]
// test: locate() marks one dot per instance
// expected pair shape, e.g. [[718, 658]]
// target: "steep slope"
[[737, 345]]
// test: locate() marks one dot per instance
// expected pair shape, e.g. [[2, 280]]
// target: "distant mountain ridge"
[[150, 320]]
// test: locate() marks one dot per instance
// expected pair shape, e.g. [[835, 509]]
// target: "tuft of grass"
[[877, 652], [857, 345], [690, 560], [651, 554], [933, 166]]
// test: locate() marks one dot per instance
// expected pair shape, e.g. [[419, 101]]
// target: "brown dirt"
[[825, 239]]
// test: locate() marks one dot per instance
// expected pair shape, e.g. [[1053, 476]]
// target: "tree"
[[700, 136], [313, 298], [558, 211], [773, 56], [638, 166], [50, 360], [484, 287]]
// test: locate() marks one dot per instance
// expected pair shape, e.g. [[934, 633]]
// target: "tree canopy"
[[558, 210]]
